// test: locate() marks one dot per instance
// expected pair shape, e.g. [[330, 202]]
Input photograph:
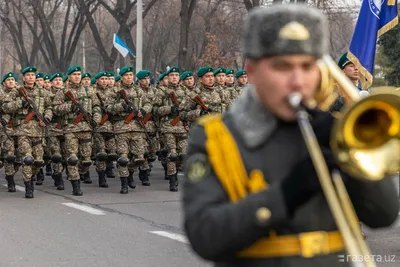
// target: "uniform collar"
[[251, 119]]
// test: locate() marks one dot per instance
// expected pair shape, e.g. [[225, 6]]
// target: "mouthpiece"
[[295, 100]]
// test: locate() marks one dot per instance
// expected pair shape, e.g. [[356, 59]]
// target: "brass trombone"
[[365, 142]]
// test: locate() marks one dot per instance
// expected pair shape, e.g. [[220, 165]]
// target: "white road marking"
[[172, 236], [84, 208], [19, 188]]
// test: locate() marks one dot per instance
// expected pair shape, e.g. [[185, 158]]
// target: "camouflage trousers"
[[79, 145], [8, 148], [132, 146], [103, 142], [56, 146], [151, 150], [30, 146], [175, 143]]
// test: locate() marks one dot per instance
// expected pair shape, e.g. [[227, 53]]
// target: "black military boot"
[[109, 170], [144, 177], [131, 181], [28, 189], [48, 169], [166, 177], [173, 183], [10, 183], [40, 177], [76, 188], [102, 179], [58, 181], [86, 178], [124, 185]]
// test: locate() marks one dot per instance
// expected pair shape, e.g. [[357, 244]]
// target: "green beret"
[[143, 74], [285, 30], [101, 74], [173, 69], [219, 70], [46, 77], [65, 78], [8, 75], [93, 81], [73, 69], [240, 73], [28, 69], [343, 61], [204, 70], [57, 75], [86, 75], [110, 74], [125, 70], [162, 75], [185, 75], [39, 75], [117, 78], [229, 71]]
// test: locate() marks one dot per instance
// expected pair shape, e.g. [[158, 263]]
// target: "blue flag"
[[375, 18], [121, 46]]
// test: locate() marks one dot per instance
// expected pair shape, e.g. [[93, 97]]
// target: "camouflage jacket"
[[6, 117], [64, 107], [163, 106], [211, 99], [239, 89], [150, 93], [226, 100], [116, 108], [105, 95], [12, 105], [55, 127], [233, 94]]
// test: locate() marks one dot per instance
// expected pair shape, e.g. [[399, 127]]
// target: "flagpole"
[[139, 35]]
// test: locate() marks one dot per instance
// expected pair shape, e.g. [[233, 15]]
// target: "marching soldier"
[[40, 79], [230, 84], [81, 113], [56, 140], [117, 81], [86, 77], [8, 138], [31, 111], [104, 139], [251, 194], [174, 132], [241, 81], [128, 112], [111, 79], [47, 83], [220, 78], [47, 86], [65, 80], [153, 145]]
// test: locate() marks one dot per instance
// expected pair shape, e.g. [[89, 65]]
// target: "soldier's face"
[[29, 78], [220, 78], [165, 81], [86, 81], [189, 81], [145, 81], [352, 72], [102, 81], [128, 78], [47, 84], [242, 80], [207, 79], [111, 81], [173, 78], [57, 83], [40, 82], [230, 79], [9, 83], [75, 77], [275, 78]]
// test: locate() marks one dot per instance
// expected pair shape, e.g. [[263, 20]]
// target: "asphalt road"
[[105, 228]]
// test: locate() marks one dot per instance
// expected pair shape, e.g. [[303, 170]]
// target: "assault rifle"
[[35, 109], [82, 111], [105, 116]]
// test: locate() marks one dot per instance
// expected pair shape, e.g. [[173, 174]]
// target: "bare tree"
[[187, 9]]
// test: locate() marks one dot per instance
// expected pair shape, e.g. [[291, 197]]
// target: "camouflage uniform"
[[130, 137], [29, 134], [78, 137], [175, 137], [104, 138], [233, 94], [226, 99]]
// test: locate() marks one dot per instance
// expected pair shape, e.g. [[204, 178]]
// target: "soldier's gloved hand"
[[204, 112], [25, 104], [302, 182], [47, 121], [143, 112], [103, 110], [127, 108], [175, 110]]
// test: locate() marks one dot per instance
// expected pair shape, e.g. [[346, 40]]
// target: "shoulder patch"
[[198, 167]]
